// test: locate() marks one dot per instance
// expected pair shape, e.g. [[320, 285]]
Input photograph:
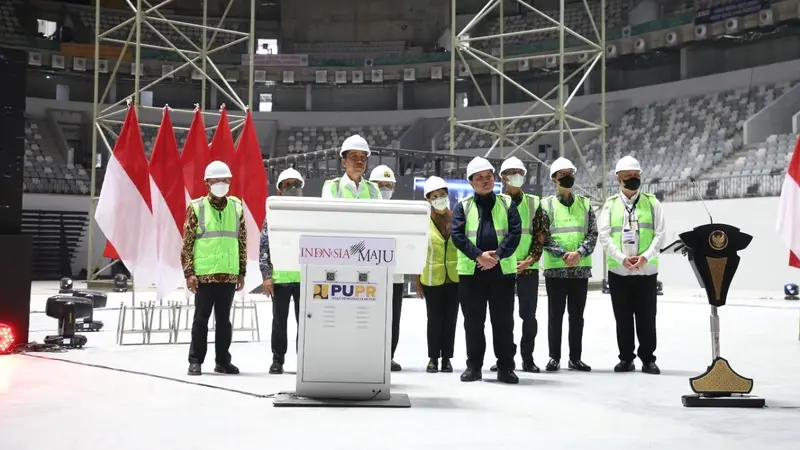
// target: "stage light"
[[790, 292], [99, 300], [659, 288], [120, 283], [68, 310], [606, 289], [66, 286], [6, 339]]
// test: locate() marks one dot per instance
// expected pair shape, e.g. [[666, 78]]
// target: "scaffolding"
[[588, 53], [199, 57]]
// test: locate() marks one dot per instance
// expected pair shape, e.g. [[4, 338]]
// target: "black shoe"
[[651, 368], [580, 366], [493, 368], [227, 369], [471, 374], [553, 365], [446, 366], [276, 368], [625, 366], [195, 369], [530, 367], [396, 367], [507, 376], [433, 366]]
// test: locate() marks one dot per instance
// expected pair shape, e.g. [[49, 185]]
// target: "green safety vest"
[[441, 260], [366, 189], [508, 265], [568, 227], [646, 229], [527, 209], [216, 245], [285, 276]]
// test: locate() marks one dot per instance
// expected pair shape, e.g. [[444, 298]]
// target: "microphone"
[[699, 196]]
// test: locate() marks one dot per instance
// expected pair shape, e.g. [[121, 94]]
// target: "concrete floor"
[[49, 401]]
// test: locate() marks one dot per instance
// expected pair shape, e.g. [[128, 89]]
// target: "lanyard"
[[632, 209]]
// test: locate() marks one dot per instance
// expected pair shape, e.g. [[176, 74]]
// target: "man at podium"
[[354, 154], [486, 230]]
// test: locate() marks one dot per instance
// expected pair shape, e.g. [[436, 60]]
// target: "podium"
[[712, 252], [347, 252]]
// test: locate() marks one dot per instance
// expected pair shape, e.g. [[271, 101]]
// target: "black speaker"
[[15, 284], [13, 67]]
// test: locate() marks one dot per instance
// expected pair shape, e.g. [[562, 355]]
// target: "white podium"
[[347, 252]]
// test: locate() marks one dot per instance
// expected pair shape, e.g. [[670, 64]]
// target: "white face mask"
[[220, 189], [440, 204], [387, 193], [516, 180]]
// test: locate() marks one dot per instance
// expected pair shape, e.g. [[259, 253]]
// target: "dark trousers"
[[442, 305], [474, 292], [397, 308], [219, 297], [632, 297], [528, 294], [284, 293], [569, 294]]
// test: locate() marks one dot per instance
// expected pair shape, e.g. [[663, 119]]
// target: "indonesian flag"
[[250, 185], [124, 212], [789, 209], [169, 199], [109, 251], [222, 142], [195, 157]]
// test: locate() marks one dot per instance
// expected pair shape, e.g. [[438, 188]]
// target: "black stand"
[[712, 252]]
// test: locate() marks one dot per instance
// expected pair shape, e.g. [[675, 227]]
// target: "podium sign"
[[712, 251]]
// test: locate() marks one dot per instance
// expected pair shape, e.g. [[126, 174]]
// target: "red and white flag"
[[169, 207], [789, 209], [195, 157], [124, 212], [222, 148], [249, 183]]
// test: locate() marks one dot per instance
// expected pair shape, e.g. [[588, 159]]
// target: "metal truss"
[[145, 14], [555, 110]]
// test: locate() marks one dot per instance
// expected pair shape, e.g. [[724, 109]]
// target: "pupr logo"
[[345, 291]]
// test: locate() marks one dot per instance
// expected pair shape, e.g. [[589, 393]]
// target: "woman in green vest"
[[438, 283], [354, 153], [281, 285]]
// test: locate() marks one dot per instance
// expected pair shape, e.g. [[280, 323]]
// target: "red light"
[[6, 339]]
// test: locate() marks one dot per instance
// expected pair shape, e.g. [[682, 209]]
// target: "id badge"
[[634, 225], [628, 236]]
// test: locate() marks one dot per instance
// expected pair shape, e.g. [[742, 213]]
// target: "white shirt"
[[604, 235], [346, 183]]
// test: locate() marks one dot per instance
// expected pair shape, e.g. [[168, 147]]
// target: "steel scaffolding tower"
[[197, 56], [588, 52]]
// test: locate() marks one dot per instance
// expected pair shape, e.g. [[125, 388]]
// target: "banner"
[[279, 60], [735, 8], [87, 51], [458, 189]]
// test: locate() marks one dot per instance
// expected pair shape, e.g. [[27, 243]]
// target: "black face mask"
[[567, 181], [632, 184]]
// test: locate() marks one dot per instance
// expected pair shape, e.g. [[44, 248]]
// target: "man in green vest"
[[354, 153], [631, 228], [567, 261], [513, 173], [214, 258], [281, 285], [486, 230]]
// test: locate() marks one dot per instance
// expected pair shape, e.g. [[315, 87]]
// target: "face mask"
[[293, 192], [220, 189], [387, 193], [440, 204], [567, 182], [516, 180], [632, 184]]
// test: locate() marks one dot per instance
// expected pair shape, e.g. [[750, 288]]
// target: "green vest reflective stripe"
[[335, 186], [527, 209], [466, 266], [285, 277], [441, 260], [216, 245], [645, 216], [568, 227]]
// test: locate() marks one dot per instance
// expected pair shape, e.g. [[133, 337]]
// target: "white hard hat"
[[628, 163], [382, 173], [478, 164], [433, 184], [217, 169], [354, 142], [513, 163], [290, 174], [561, 164]]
